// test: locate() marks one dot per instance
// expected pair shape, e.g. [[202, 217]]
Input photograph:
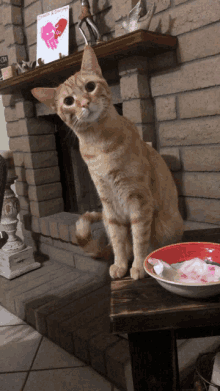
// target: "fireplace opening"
[[79, 192]]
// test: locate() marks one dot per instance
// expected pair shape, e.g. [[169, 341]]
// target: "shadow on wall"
[[172, 162]]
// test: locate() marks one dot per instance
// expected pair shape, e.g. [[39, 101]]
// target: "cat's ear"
[[46, 96], [90, 63]]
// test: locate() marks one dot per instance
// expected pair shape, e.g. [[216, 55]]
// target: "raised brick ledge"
[[60, 227]]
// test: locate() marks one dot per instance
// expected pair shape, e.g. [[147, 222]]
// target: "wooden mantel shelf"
[[139, 42]]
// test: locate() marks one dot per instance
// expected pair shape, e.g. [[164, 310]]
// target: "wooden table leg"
[[154, 361]]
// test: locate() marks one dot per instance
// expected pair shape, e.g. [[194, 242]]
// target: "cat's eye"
[[90, 86], [68, 101]]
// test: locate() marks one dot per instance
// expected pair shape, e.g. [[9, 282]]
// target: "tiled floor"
[[30, 362]]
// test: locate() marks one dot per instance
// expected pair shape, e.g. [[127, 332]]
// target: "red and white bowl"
[[180, 252]]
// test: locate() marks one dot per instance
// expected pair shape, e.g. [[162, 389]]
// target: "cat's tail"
[[96, 248]]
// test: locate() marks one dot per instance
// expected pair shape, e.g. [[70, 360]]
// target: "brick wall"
[[187, 106], [172, 98]]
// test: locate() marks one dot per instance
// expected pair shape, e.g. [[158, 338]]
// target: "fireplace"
[[53, 183]]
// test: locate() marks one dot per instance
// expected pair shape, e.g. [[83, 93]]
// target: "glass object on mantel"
[[15, 257]]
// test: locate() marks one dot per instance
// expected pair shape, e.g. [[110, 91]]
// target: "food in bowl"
[[176, 255], [193, 270]]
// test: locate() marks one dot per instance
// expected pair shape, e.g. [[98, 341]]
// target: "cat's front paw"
[[117, 272], [137, 273]]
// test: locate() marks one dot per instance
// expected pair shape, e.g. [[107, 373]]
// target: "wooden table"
[[154, 319]]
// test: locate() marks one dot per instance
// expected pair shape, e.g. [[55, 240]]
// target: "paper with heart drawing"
[[53, 34]]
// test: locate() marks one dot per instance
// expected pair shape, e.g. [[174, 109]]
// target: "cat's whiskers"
[[79, 123], [79, 118], [85, 112], [69, 133]]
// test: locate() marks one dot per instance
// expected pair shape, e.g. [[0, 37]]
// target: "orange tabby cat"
[[138, 194]]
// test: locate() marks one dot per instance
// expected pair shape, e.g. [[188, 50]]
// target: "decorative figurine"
[[40, 62], [134, 22], [61, 56], [87, 17], [25, 66], [15, 257]]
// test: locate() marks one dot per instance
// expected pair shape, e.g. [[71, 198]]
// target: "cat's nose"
[[85, 102]]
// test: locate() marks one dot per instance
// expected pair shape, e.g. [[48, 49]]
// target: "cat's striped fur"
[[138, 194]]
